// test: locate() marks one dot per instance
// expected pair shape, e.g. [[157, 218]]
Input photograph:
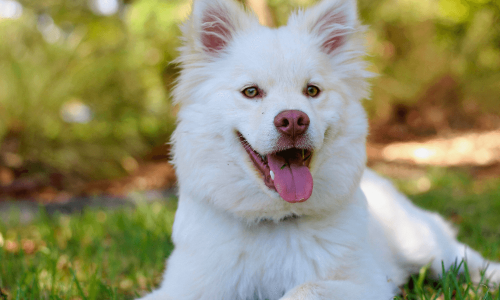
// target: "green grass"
[[120, 254], [94, 255], [452, 285]]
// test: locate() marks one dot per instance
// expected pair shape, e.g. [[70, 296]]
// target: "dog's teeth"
[[272, 174]]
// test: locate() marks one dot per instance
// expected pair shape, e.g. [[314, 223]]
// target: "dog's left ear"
[[332, 21], [213, 24]]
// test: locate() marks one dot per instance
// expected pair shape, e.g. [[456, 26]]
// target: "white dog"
[[274, 198]]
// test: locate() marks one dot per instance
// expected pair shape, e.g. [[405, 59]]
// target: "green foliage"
[[59, 58], [414, 43]]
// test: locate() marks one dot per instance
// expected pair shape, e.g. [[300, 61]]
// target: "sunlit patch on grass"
[[470, 148]]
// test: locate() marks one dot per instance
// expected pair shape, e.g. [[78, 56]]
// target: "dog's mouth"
[[286, 172]]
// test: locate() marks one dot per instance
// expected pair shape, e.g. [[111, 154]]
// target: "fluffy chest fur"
[[266, 258]]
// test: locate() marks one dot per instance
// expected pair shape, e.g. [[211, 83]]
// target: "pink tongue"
[[292, 179]]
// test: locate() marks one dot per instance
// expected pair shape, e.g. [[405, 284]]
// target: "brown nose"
[[292, 122]]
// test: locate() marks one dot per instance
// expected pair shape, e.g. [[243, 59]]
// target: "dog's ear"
[[213, 24], [332, 21]]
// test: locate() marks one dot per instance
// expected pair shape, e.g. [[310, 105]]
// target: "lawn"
[[94, 255], [120, 254]]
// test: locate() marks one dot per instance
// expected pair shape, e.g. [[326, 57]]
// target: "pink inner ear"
[[215, 29], [334, 37]]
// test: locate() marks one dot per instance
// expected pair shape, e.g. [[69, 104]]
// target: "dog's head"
[[270, 121]]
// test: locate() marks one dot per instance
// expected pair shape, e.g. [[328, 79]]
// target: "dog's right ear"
[[331, 21], [212, 25]]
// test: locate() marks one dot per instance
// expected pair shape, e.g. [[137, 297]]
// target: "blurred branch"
[[262, 11]]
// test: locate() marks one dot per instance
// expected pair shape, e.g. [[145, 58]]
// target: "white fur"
[[233, 236]]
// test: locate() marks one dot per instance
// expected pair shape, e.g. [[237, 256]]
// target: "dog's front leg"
[[338, 290]]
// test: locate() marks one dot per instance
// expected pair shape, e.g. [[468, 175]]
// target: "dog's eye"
[[251, 92], [312, 91]]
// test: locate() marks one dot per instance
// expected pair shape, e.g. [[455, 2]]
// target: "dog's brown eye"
[[312, 91], [251, 92]]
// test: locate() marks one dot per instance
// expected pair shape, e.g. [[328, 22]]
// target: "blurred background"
[[85, 106]]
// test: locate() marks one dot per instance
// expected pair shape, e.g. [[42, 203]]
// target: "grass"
[[94, 255], [452, 285], [120, 254]]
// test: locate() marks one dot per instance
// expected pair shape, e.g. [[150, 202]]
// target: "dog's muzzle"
[[286, 170]]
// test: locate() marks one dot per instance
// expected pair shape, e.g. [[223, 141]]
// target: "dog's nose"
[[292, 122]]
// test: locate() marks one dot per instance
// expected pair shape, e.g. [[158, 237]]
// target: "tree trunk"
[[262, 11]]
